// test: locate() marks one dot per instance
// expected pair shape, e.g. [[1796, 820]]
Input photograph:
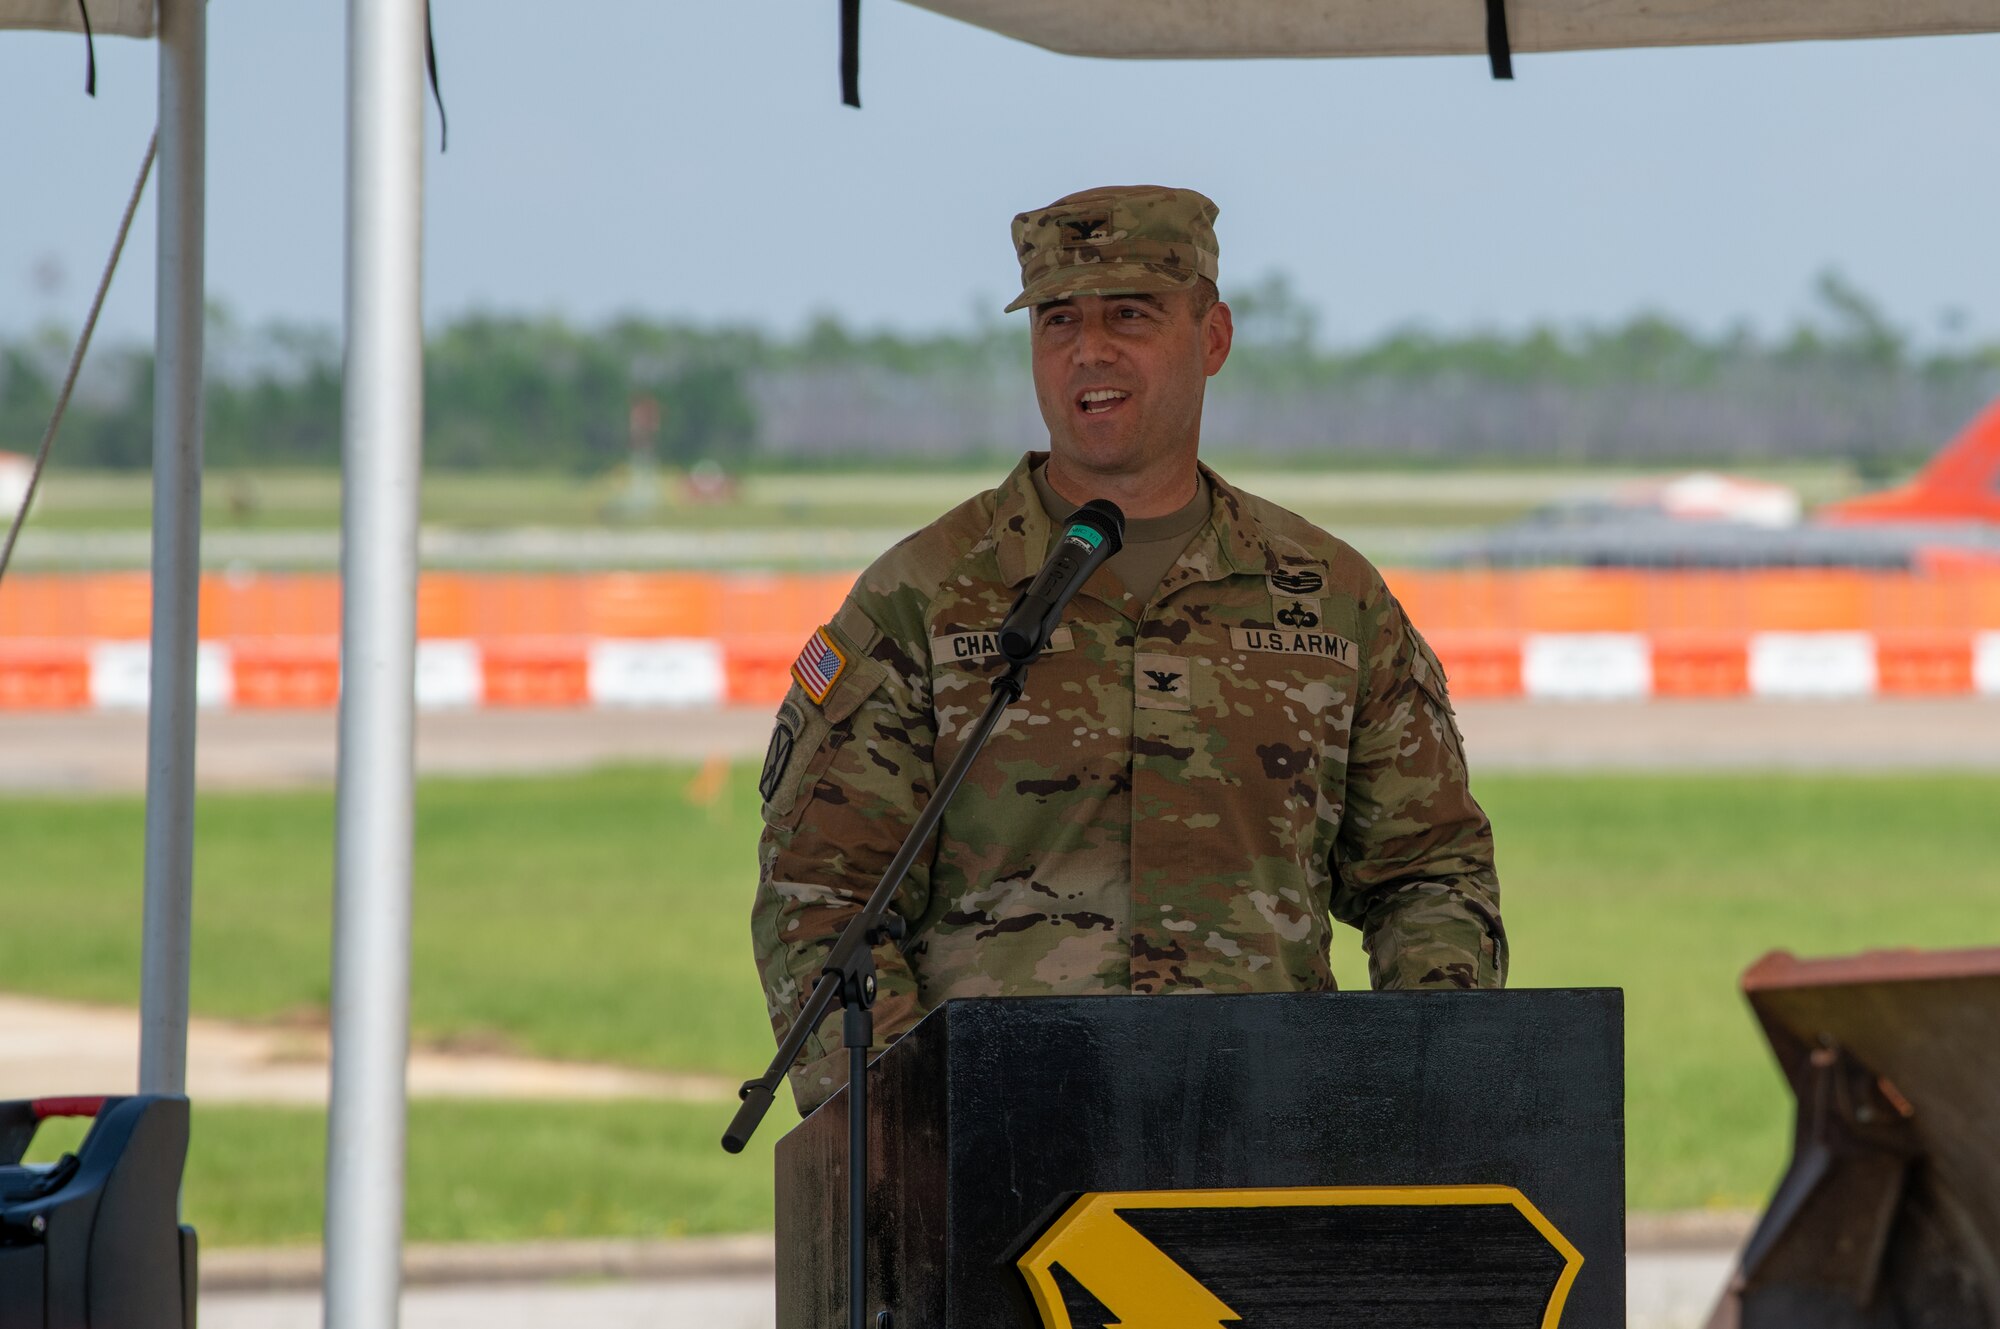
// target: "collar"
[[1231, 542]]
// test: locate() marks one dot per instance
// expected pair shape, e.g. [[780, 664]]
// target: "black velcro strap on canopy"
[[850, 53], [431, 64], [1498, 49], [89, 51]]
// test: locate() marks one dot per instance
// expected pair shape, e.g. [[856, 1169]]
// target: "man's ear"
[[1218, 331]]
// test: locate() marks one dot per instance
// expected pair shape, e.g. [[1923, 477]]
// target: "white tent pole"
[[381, 445], [177, 426]]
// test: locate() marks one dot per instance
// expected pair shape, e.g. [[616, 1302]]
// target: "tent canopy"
[[108, 18], [1165, 29], [1140, 29]]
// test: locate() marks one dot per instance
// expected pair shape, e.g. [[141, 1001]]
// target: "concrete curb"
[[752, 1255], [294, 1268], [1705, 1231]]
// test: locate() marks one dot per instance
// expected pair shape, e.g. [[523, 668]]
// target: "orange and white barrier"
[[696, 672], [1827, 665], [696, 640]]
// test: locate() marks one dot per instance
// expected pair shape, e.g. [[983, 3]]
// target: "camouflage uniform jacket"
[[1189, 791]]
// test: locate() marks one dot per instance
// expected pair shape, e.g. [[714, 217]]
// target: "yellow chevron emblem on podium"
[[1208, 1259]]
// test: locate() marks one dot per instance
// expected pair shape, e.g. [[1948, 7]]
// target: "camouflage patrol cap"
[[1118, 240]]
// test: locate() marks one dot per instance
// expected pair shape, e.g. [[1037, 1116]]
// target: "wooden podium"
[[1415, 1160]]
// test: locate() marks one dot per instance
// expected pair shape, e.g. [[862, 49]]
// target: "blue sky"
[[691, 160]]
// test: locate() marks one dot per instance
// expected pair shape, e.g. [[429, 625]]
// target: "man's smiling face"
[[1120, 378]]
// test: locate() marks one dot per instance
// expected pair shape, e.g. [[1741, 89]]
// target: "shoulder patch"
[[819, 666], [778, 756], [1428, 670]]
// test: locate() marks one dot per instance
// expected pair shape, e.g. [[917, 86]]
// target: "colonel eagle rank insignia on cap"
[[1119, 240]]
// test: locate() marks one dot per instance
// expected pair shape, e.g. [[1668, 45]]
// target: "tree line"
[[517, 391]]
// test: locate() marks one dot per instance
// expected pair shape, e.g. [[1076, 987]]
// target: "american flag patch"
[[819, 666]]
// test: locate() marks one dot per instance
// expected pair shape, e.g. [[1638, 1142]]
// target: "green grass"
[[604, 916], [1671, 886], [1334, 494], [482, 1172], [252, 500]]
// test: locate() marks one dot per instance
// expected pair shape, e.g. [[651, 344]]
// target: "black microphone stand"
[[848, 979]]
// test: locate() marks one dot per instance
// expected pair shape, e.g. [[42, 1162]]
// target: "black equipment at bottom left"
[[94, 1240]]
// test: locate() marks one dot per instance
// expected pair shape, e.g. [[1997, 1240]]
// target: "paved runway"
[[53, 752], [1666, 1290]]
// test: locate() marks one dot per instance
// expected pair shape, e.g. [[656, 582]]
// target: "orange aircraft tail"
[[1961, 483]]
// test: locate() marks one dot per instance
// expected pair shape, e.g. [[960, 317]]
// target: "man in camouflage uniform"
[[1235, 737]]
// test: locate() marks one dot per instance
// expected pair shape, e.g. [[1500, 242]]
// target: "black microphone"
[[1093, 533]]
